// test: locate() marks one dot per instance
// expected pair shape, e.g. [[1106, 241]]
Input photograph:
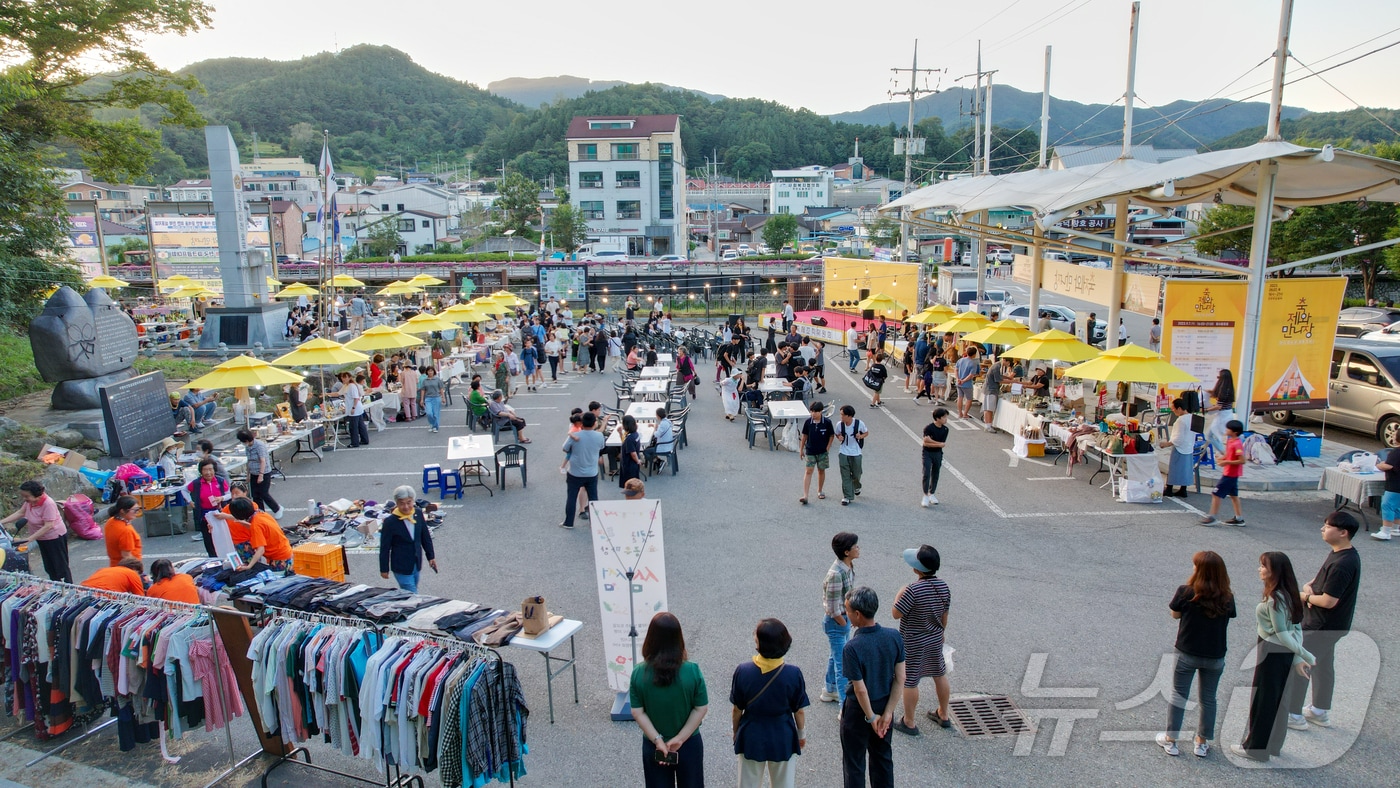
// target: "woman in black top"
[[935, 438], [630, 465], [770, 345], [876, 374], [1204, 607]]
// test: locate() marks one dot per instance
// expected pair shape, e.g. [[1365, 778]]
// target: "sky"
[[833, 56]]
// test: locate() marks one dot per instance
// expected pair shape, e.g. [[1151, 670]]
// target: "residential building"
[[418, 229], [304, 190], [190, 189], [627, 177], [793, 191], [286, 227], [115, 202]]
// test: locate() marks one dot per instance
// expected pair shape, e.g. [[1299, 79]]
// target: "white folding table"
[[546, 642]]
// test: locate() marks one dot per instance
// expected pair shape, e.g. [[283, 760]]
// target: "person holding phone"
[[669, 701]]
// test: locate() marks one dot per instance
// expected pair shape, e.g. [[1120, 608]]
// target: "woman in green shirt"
[[668, 701], [1279, 618]]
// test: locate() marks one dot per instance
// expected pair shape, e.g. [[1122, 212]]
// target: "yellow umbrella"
[[177, 280], [242, 372], [107, 282], [467, 313], [491, 306], [1053, 345], [399, 288], [507, 298], [1133, 364], [320, 352], [273, 282], [191, 291], [344, 280], [1002, 332], [881, 303], [938, 313], [961, 324], [426, 323], [383, 338], [424, 280], [295, 290]]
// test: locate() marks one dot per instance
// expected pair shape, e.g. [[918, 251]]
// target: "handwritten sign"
[[627, 537]]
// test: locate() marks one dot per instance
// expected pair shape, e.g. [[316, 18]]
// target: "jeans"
[[407, 582], [359, 430], [858, 740], [203, 412], [850, 475], [836, 636], [576, 483], [689, 771], [1323, 645], [1186, 668], [855, 357], [433, 407], [933, 466], [553, 368]]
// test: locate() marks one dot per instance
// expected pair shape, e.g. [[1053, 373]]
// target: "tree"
[[779, 231], [567, 227], [884, 232], [519, 201], [48, 102], [384, 237], [1223, 217]]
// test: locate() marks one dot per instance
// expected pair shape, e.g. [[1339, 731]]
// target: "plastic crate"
[[319, 560]]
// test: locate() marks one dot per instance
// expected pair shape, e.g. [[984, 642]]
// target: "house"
[[115, 202], [627, 178], [190, 190], [286, 226], [792, 191], [392, 197], [418, 230]]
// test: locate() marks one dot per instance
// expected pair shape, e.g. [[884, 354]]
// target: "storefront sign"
[[1203, 326], [84, 245], [1297, 329], [627, 538]]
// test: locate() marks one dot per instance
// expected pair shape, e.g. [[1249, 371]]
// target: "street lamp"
[[707, 303], [510, 248]]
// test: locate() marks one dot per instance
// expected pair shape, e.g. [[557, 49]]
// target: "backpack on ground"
[[1285, 447]]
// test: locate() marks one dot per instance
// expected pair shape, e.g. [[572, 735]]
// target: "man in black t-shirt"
[[1329, 602], [814, 447], [935, 438], [1390, 502]]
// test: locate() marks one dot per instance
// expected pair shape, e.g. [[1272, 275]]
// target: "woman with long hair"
[[1204, 607], [1280, 623], [669, 701], [630, 465]]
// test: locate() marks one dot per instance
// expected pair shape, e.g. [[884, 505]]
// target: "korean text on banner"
[[1297, 329], [627, 537], [1203, 326]]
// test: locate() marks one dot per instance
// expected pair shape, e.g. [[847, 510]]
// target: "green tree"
[[884, 231], [779, 231], [568, 229], [48, 101], [519, 201], [1223, 217], [384, 237]]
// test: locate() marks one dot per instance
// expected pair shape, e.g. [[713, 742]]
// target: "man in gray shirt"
[[991, 390], [582, 449]]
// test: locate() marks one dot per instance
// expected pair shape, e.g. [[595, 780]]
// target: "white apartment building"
[[627, 177], [794, 191], [190, 190]]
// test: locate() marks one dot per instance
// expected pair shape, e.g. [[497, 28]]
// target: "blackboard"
[[136, 413]]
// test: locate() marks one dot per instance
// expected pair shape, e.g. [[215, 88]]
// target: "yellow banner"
[[1203, 326], [185, 239], [1095, 285], [1297, 329]]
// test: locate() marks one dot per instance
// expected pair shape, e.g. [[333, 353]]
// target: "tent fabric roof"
[[1071, 156]]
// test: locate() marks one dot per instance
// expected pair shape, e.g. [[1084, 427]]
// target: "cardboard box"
[[59, 456]]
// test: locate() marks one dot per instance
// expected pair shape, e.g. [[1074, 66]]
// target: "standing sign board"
[[136, 413], [1203, 326], [564, 283], [627, 537], [1297, 329]]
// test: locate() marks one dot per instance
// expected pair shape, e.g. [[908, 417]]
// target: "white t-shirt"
[[354, 400], [552, 347], [851, 339]]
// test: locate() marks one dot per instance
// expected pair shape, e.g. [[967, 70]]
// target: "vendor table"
[[474, 451], [1010, 417], [656, 373], [788, 412], [389, 402], [651, 388], [452, 369], [642, 411], [546, 642], [309, 441], [770, 385], [1354, 489]]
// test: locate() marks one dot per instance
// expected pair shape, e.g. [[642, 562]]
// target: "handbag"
[[872, 381]]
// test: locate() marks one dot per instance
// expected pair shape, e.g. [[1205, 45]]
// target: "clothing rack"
[[17, 578]]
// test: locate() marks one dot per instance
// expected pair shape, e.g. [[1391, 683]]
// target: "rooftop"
[[642, 126]]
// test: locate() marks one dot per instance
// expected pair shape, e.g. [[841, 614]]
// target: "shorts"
[[1227, 487], [1390, 507], [965, 391], [819, 461], [989, 402]]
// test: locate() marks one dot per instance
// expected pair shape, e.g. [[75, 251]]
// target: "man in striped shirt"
[[840, 580]]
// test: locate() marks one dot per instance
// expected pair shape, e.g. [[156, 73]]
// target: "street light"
[[510, 248]]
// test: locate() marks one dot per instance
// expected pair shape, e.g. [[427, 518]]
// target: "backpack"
[[1285, 447], [857, 427]]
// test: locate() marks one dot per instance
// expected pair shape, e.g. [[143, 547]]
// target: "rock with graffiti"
[[80, 344]]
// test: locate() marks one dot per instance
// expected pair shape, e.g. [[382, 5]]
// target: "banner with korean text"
[[627, 539], [1203, 327], [1141, 292], [1297, 329]]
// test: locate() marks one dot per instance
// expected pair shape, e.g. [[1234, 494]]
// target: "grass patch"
[[13, 473], [17, 359], [174, 368]]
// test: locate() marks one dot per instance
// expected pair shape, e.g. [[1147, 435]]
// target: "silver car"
[[1061, 317], [1363, 391]]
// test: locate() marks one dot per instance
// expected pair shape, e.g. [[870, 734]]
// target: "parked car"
[[1000, 256], [1363, 391], [729, 254], [1058, 257], [1061, 317], [1357, 320], [1390, 333], [606, 256]]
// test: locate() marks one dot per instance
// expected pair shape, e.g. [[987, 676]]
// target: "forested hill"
[[1356, 126]]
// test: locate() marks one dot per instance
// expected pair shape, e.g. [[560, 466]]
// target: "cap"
[[923, 558]]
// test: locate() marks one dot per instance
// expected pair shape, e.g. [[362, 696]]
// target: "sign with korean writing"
[[1141, 293], [1203, 326], [187, 245], [1088, 223], [1297, 328], [564, 283], [84, 244], [627, 540]]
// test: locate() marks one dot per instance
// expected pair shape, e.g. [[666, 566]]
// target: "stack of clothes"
[[352, 523]]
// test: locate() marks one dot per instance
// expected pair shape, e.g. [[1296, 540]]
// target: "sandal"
[[524, 440], [943, 722], [802, 501], [821, 495]]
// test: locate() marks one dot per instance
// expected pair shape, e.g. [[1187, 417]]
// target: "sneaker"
[[567, 526], [933, 499], [1235, 521], [908, 730], [584, 514], [277, 515], [1202, 749], [1239, 750], [1316, 716], [829, 697], [1297, 722], [924, 502], [845, 501], [199, 537], [857, 491], [1383, 534], [1168, 746], [1208, 520]]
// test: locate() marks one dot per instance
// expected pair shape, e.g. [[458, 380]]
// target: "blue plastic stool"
[[1205, 453], [432, 479], [450, 484]]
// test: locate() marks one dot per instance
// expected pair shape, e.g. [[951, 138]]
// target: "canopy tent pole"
[[1045, 111], [1120, 206], [1038, 243]]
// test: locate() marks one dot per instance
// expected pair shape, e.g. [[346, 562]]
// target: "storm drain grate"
[[988, 715]]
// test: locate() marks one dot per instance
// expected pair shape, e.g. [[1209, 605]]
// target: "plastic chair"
[[760, 423], [451, 485], [623, 394], [511, 456], [497, 425], [432, 478]]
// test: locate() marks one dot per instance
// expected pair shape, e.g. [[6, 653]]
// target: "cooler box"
[[319, 560], [1309, 444]]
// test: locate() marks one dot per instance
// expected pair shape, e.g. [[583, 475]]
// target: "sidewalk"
[[1284, 476]]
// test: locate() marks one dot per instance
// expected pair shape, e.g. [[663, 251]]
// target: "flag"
[[327, 170]]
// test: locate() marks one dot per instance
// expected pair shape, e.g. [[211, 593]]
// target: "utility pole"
[[980, 242], [1120, 208], [1038, 249], [911, 145]]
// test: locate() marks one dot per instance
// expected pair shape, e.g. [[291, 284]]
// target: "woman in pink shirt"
[[40, 512]]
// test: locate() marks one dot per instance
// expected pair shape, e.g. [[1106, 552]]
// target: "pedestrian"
[[935, 438], [669, 701], [1279, 621], [873, 660], [873, 344], [770, 345], [260, 471], [967, 371], [355, 396], [582, 450], [1204, 607], [408, 391], [1182, 441], [814, 446], [851, 434], [907, 361], [1154, 335], [769, 699], [1390, 501], [819, 366], [1231, 469], [552, 348], [789, 316], [431, 390], [120, 539], [1329, 603], [853, 346], [207, 492], [39, 511], [630, 466], [685, 372], [875, 376], [501, 373], [529, 360], [404, 541], [922, 611], [729, 393], [840, 581], [991, 390]]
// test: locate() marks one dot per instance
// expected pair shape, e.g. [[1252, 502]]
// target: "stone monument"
[[248, 315], [80, 344]]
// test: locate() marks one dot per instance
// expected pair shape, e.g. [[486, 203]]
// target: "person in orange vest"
[[121, 538], [124, 577], [166, 583], [269, 543]]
